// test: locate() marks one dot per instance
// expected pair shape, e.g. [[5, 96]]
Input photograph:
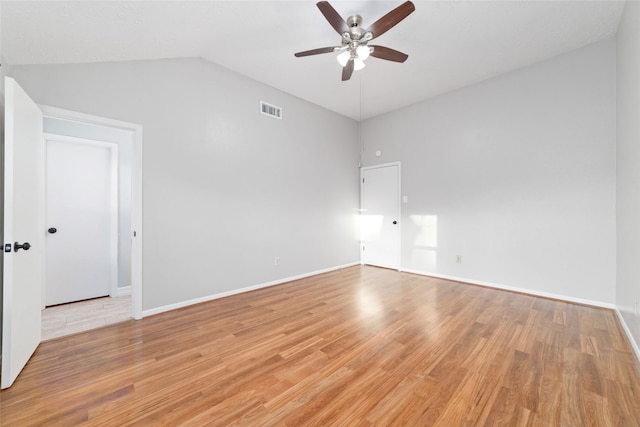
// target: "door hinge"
[[363, 180], [362, 248]]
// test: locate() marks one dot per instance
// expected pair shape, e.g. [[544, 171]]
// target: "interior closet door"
[[380, 217], [81, 216]]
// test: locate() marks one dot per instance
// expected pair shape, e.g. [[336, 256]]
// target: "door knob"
[[52, 230], [395, 222], [25, 246]]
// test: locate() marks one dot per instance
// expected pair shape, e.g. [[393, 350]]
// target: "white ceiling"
[[451, 44]]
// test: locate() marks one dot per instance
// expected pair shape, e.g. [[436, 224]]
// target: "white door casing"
[[136, 190], [380, 215], [23, 222], [81, 218]]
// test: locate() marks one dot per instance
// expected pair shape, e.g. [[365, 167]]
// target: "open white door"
[[23, 223], [380, 217]]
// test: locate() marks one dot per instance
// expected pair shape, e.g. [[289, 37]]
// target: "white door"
[[81, 219], [23, 223], [380, 217]]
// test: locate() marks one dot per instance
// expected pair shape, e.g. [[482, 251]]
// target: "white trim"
[[122, 291], [113, 214], [136, 191], [182, 304], [74, 116], [625, 327], [75, 140], [514, 289], [115, 217], [385, 165]]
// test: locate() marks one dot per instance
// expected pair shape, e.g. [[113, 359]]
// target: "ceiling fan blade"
[[387, 22], [315, 51], [347, 70], [388, 54], [333, 17]]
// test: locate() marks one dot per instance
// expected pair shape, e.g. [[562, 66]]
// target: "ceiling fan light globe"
[[363, 52], [358, 64], [344, 57]]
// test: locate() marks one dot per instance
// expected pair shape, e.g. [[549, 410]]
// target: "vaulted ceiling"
[[451, 44]]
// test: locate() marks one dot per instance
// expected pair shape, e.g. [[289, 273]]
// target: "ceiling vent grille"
[[271, 110]]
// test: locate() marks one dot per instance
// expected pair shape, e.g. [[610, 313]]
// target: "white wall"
[[628, 168], [516, 175], [225, 188], [125, 158]]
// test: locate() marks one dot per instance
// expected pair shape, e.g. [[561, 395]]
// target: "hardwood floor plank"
[[470, 406], [359, 346]]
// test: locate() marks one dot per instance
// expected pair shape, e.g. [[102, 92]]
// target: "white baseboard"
[[632, 341], [170, 307], [514, 289], [120, 292]]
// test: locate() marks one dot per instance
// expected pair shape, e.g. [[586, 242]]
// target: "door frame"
[[113, 222], [136, 191], [398, 203]]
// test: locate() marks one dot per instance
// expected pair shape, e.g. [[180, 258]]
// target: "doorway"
[[24, 228], [380, 215], [123, 141]]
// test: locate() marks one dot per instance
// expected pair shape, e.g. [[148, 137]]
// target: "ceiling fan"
[[355, 46]]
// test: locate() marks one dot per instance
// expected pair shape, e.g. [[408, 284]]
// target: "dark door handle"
[[52, 230], [25, 246], [395, 222]]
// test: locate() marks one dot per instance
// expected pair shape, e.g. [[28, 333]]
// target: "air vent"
[[271, 110]]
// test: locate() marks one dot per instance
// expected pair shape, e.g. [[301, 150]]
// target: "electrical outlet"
[[458, 259], [276, 261]]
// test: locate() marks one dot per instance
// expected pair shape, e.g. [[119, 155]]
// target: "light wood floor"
[[67, 319], [361, 346]]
